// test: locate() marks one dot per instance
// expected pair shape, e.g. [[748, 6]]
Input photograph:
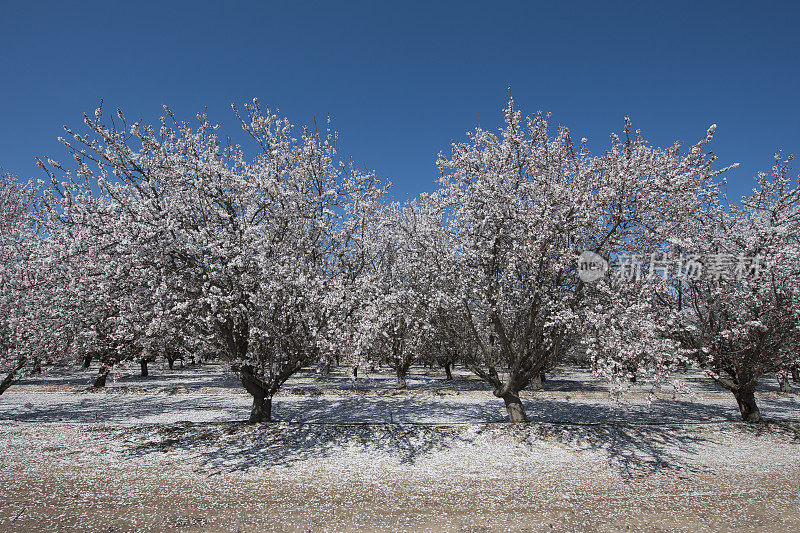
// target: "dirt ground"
[[227, 477], [70, 462]]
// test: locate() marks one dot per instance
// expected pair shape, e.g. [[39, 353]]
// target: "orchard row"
[[170, 241]]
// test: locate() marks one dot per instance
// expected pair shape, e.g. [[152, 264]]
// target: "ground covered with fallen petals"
[[171, 452]]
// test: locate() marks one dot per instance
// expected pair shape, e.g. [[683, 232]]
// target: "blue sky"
[[402, 80]]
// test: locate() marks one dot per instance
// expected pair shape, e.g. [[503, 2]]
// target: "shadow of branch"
[[631, 450]]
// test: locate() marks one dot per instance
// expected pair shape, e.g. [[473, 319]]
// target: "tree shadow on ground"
[[120, 406], [637, 439], [632, 450], [635, 451], [117, 405], [237, 447], [479, 409], [189, 377]]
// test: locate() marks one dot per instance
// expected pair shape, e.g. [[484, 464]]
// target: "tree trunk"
[[796, 374], [7, 381], [516, 412], [11, 377], [748, 407], [632, 369], [448, 372], [100, 380], [171, 363], [143, 363], [401, 378], [261, 411], [87, 362], [37, 367], [783, 382], [262, 402], [536, 382]]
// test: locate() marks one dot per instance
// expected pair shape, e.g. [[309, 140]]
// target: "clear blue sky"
[[401, 80]]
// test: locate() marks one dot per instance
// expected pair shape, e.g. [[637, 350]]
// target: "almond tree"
[[739, 320], [253, 250], [32, 329], [625, 330], [13, 228], [400, 286], [522, 206], [109, 287]]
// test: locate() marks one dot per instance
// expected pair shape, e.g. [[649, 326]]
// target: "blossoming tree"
[[251, 250], [32, 323], [738, 319], [522, 206]]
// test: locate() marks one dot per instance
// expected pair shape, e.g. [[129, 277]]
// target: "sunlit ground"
[[170, 452]]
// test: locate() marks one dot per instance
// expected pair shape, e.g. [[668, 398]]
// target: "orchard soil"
[[171, 453]]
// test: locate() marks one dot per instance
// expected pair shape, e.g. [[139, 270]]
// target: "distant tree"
[[14, 225], [32, 330], [400, 287]]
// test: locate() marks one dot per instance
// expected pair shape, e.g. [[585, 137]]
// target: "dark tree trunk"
[[100, 380], [11, 377], [37, 367], [143, 363], [796, 374], [516, 412], [632, 369], [171, 363], [783, 382], [747, 406], [355, 372], [7, 381], [536, 382], [262, 402], [87, 362], [401, 378], [448, 372], [261, 411]]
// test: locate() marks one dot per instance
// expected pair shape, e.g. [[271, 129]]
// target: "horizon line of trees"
[[171, 241]]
